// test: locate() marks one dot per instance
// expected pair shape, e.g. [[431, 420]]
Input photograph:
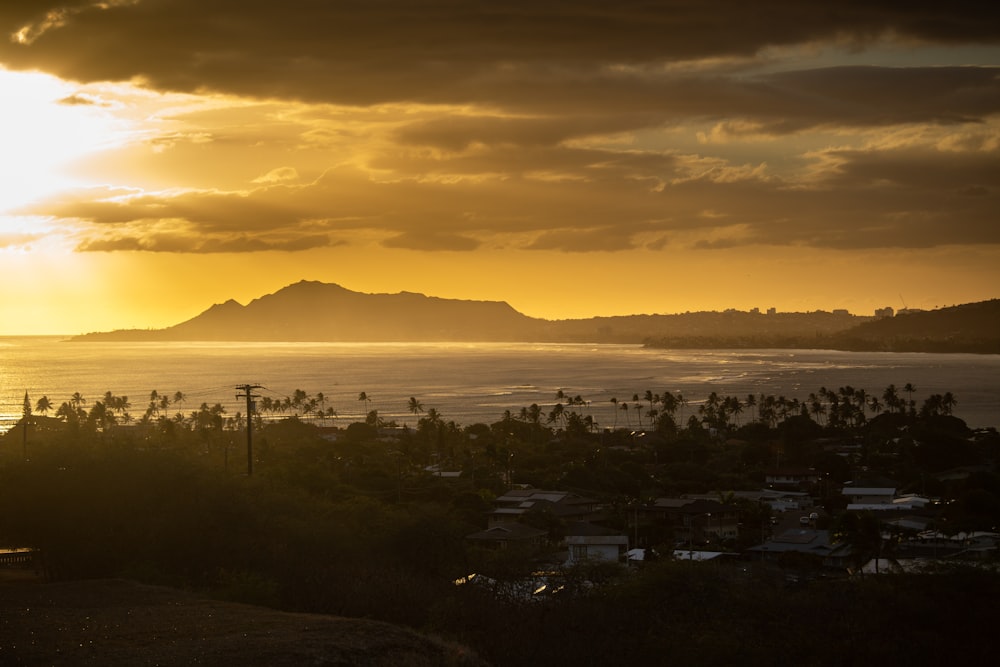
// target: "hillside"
[[971, 327], [108, 623]]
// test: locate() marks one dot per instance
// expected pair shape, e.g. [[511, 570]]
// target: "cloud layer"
[[539, 126]]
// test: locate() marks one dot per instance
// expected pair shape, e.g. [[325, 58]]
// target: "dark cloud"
[[432, 241], [358, 51], [200, 245], [918, 170]]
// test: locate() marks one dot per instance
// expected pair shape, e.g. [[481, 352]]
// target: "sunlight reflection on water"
[[468, 382]]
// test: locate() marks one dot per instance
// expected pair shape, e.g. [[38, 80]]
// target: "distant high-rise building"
[[841, 311], [772, 310], [755, 311], [881, 313]]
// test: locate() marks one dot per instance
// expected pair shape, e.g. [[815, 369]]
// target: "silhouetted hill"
[[314, 311], [971, 327]]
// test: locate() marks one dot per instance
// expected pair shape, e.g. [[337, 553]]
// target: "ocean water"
[[470, 382]]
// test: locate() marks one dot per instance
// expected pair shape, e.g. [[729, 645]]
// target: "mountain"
[[314, 311], [326, 312]]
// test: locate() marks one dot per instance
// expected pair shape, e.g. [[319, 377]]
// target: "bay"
[[470, 382]]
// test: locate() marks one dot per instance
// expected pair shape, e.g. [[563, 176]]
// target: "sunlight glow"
[[45, 124]]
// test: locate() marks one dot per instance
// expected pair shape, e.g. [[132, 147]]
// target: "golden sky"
[[571, 158]]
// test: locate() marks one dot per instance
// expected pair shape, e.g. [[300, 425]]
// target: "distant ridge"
[[315, 311], [327, 312]]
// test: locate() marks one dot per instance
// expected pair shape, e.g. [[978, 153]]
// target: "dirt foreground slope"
[[112, 622]]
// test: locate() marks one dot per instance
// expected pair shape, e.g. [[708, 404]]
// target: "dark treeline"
[[357, 521]]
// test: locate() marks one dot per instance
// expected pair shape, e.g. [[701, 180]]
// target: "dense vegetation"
[[362, 526]]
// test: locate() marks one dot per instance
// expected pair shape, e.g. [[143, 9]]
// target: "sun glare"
[[45, 124]]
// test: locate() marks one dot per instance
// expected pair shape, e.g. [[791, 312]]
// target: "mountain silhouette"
[[327, 312], [315, 311]]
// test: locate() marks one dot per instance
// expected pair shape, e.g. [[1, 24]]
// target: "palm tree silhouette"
[[948, 402], [909, 389], [415, 406], [43, 405]]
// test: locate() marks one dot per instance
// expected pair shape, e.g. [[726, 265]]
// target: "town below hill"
[[325, 312]]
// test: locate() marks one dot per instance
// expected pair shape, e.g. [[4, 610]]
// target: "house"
[[869, 495], [587, 541], [507, 535], [806, 541], [792, 478], [695, 521], [777, 499], [700, 556], [514, 504]]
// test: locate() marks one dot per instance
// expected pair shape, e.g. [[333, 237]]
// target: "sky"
[[574, 159]]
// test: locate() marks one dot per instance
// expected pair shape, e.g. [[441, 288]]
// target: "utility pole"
[[248, 394], [25, 421]]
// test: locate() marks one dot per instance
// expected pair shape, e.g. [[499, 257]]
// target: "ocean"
[[469, 382]]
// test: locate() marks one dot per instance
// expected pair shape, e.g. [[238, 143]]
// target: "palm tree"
[[874, 405], [68, 413], [77, 400], [614, 402], [299, 400], [557, 413], [891, 398], [909, 389], [932, 406], [948, 402], [122, 405], [43, 405], [534, 414], [363, 396], [735, 407], [816, 407], [669, 402], [861, 400], [26, 419], [415, 406]]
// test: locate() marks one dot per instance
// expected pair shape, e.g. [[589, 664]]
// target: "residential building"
[[514, 504], [587, 541]]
